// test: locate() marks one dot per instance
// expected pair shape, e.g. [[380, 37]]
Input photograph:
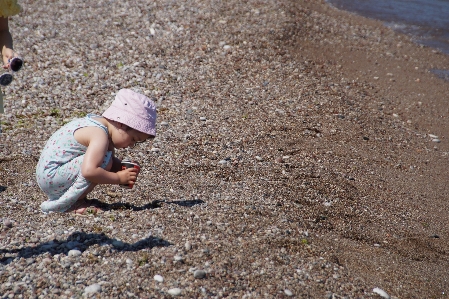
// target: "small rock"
[[258, 158], [175, 291], [288, 292], [74, 253], [164, 123], [30, 261], [200, 274], [7, 223], [381, 293], [188, 246], [203, 119], [158, 278], [436, 140], [155, 150], [92, 289]]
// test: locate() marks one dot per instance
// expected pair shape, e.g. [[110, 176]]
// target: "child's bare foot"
[[84, 207]]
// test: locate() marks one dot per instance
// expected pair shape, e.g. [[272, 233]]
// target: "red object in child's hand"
[[129, 164]]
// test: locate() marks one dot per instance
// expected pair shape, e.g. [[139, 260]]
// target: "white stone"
[[381, 293], [188, 246], [175, 291], [288, 292], [74, 253], [158, 278], [92, 289]]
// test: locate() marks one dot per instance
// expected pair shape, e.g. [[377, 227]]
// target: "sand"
[[301, 152]]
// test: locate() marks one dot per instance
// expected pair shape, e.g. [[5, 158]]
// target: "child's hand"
[[128, 176], [7, 55]]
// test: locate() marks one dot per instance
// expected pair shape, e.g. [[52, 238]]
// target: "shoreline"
[[395, 72]]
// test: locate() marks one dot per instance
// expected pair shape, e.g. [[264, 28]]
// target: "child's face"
[[128, 138]]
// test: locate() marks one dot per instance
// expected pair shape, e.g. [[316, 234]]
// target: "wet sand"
[[404, 212]]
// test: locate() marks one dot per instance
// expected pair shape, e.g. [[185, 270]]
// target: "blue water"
[[427, 21]]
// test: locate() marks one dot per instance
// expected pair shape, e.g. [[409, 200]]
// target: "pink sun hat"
[[134, 110]]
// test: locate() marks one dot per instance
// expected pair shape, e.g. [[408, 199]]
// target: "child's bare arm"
[[97, 145]]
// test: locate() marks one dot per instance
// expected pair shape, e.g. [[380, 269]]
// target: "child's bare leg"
[[5, 42], [82, 204]]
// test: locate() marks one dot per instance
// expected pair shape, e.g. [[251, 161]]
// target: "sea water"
[[426, 21]]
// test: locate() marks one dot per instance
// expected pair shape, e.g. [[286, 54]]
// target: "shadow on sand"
[[81, 241], [152, 205]]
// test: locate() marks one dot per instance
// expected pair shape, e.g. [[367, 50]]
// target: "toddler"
[[80, 155]]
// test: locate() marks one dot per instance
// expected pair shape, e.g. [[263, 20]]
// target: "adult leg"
[[5, 41]]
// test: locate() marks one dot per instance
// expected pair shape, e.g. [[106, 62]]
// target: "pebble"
[[258, 158], [381, 293], [188, 246], [74, 253], [7, 223], [158, 278], [174, 292], [436, 140], [199, 274], [92, 289], [203, 119], [288, 292]]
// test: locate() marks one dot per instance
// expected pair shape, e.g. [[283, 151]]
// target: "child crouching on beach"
[[80, 155]]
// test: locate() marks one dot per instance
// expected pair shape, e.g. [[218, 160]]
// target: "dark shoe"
[[5, 79]]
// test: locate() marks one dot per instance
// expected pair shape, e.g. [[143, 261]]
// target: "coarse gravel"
[[294, 158]]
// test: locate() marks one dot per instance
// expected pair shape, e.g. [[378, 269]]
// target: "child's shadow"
[[152, 205], [81, 241]]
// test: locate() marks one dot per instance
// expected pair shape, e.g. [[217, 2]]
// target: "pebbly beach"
[[301, 152]]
